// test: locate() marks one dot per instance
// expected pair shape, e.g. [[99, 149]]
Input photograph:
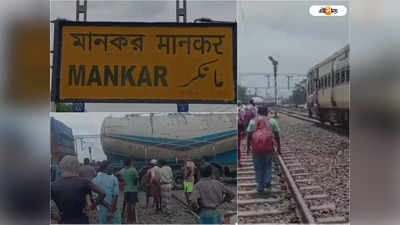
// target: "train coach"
[[328, 89]]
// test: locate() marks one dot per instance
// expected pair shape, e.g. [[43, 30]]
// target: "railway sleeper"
[[245, 164], [258, 201], [253, 177], [253, 184], [297, 169], [295, 164], [323, 207], [310, 180], [246, 160], [248, 168], [318, 196], [261, 213], [300, 174], [251, 171], [273, 191], [252, 188], [333, 219], [315, 187]]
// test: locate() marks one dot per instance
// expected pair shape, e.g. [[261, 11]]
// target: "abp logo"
[[319, 10]]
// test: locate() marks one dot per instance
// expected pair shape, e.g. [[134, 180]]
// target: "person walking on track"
[[130, 176], [108, 213], [207, 195], [69, 193], [264, 141], [189, 170], [166, 180]]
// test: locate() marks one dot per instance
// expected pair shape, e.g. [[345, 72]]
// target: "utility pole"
[[288, 81], [275, 64], [268, 75], [81, 9], [180, 11], [90, 153]]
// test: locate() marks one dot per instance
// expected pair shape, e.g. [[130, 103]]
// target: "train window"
[[343, 76], [325, 82], [322, 83], [329, 80], [337, 78], [347, 75]]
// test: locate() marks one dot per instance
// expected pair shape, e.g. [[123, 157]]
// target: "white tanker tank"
[[171, 136]]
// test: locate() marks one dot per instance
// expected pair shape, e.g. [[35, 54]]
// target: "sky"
[[286, 31]]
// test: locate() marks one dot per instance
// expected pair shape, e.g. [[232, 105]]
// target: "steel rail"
[[185, 205], [338, 129], [305, 212]]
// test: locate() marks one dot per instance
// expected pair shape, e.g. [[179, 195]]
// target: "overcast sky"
[[286, 31]]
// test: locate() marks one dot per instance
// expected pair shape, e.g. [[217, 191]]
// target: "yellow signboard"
[[145, 62]]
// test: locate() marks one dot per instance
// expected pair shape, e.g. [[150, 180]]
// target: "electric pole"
[[275, 64], [81, 9], [180, 11], [288, 81], [90, 154], [268, 80]]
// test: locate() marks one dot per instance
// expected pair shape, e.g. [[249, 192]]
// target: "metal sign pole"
[[80, 9], [276, 89], [181, 12]]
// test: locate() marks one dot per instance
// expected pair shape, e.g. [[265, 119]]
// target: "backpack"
[[262, 138]]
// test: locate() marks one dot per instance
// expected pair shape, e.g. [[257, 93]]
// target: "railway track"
[[185, 206], [228, 216], [296, 197], [304, 117]]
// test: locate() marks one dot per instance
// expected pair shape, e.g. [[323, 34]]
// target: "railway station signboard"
[[144, 62]]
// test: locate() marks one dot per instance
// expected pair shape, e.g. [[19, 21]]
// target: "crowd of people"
[[263, 141], [84, 194]]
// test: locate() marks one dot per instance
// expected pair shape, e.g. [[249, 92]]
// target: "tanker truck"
[[170, 137]]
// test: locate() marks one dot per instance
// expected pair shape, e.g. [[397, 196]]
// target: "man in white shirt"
[[166, 180]]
